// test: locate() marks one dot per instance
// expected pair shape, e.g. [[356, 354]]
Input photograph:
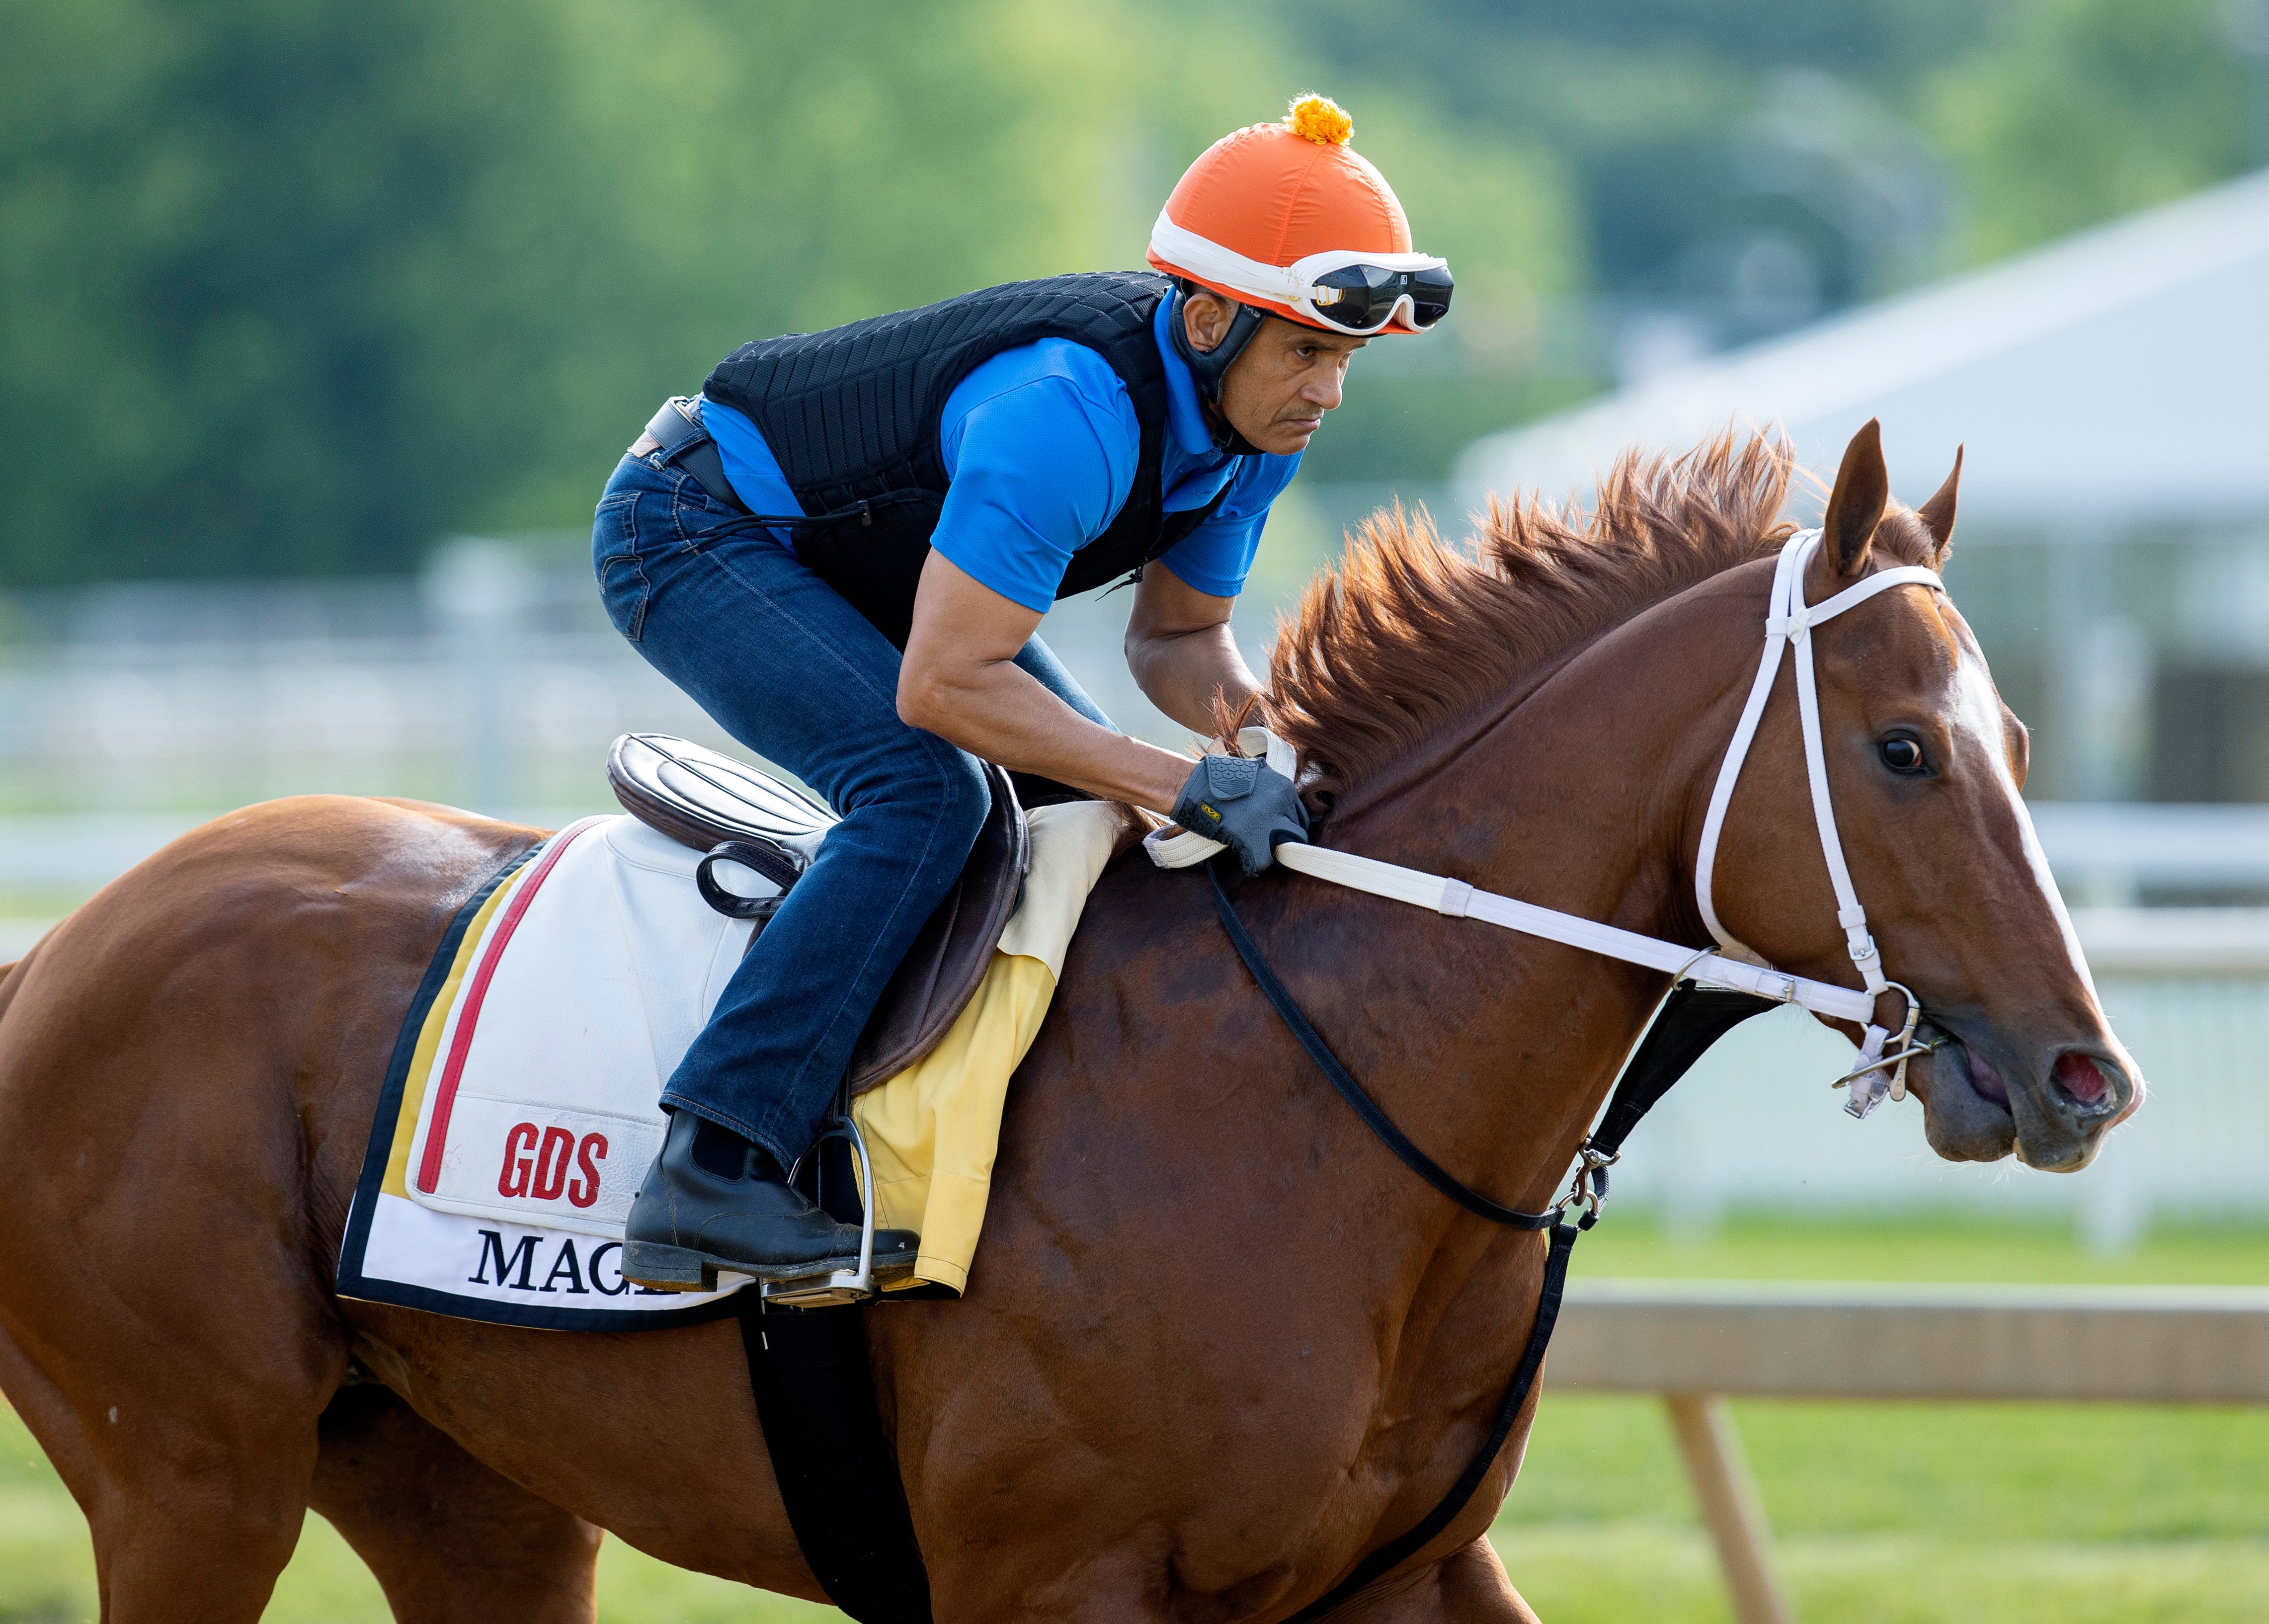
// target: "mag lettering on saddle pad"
[[521, 1108]]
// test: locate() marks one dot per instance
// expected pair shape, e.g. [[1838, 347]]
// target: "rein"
[[1711, 993]]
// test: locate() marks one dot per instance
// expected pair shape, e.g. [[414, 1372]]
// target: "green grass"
[[1883, 1514], [1903, 1513], [1918, 1247]]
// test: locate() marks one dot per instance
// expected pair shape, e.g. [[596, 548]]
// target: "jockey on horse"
[[842, 549]]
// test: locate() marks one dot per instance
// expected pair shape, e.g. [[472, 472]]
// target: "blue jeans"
[[790, 669]]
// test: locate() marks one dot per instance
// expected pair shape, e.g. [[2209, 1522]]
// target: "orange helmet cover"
[[1277, 193]]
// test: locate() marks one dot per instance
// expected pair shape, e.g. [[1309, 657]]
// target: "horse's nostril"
[[2081, 1080]]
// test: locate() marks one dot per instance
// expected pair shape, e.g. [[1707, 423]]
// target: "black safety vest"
[[852, 416]]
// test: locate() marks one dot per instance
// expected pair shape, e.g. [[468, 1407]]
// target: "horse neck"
[[1587, 796]]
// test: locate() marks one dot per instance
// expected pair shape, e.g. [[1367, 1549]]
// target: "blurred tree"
[[1689, 124], [272, 273], [288, 286], [2074, 110], [1655, 105]]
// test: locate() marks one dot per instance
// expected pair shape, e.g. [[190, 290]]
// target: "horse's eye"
[[1903, 755]]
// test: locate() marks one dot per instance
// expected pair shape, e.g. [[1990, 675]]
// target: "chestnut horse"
[[1220, 1343]]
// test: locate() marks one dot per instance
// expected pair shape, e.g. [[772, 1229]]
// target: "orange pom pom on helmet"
[[1290, 219]]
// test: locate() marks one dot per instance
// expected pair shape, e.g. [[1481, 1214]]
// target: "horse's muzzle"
[[1984, 1097]]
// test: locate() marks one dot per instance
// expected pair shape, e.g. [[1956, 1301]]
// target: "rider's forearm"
[[1181, 673], [993, 709]]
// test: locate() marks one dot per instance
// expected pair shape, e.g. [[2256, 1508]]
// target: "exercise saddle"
[[743, 818]]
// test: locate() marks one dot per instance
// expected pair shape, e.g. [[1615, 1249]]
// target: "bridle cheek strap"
[[1789, 622]]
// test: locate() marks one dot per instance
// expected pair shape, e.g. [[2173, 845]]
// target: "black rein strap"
[[1689, 1021], [1377, 1120], [1397, 1551]]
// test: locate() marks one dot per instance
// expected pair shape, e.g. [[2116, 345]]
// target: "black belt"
[[679, 434]]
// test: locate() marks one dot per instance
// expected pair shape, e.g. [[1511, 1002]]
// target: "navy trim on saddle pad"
[[547, 1263]]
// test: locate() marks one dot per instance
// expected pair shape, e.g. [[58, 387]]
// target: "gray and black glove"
[[1246, 805]]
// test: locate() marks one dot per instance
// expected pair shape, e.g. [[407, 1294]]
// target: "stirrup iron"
[[844, 1286]]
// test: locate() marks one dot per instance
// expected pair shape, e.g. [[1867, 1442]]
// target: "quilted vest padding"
[[852, 416]]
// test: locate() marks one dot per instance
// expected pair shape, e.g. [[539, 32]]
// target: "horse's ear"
[[1855, 507], [1937, 514]]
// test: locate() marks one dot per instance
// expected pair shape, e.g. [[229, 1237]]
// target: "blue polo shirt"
[[1040, 445]]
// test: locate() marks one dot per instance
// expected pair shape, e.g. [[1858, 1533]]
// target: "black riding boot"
[[693, 1217]]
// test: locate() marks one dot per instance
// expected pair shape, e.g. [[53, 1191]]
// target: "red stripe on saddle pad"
[[437, 1134]]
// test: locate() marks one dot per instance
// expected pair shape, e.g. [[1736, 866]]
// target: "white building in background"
[[2113, 551]]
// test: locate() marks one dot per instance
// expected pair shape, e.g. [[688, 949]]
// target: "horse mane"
[[1408, 632]]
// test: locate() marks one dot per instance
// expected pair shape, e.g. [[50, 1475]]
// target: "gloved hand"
[[1246, 805]]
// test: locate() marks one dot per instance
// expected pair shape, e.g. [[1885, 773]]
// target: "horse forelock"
[[1409, 634], [1902, 538]]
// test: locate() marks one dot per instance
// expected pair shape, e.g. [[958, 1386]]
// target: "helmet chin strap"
[[1210, 366]]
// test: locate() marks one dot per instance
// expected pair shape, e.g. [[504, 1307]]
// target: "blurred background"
[[323, 325]]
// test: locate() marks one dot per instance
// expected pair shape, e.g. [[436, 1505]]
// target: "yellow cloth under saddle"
[[934, 1128]]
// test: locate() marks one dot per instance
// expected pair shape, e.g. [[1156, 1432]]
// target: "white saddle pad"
[[522, 1108]]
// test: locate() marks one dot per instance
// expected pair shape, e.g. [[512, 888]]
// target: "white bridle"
[[1789, 621]]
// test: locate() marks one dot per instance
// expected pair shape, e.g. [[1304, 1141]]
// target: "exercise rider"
[[842, 549]]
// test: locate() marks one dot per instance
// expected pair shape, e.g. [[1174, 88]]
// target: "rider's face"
[[1277, 391]]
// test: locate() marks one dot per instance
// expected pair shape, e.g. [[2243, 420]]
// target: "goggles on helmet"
[[1347, 289]]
